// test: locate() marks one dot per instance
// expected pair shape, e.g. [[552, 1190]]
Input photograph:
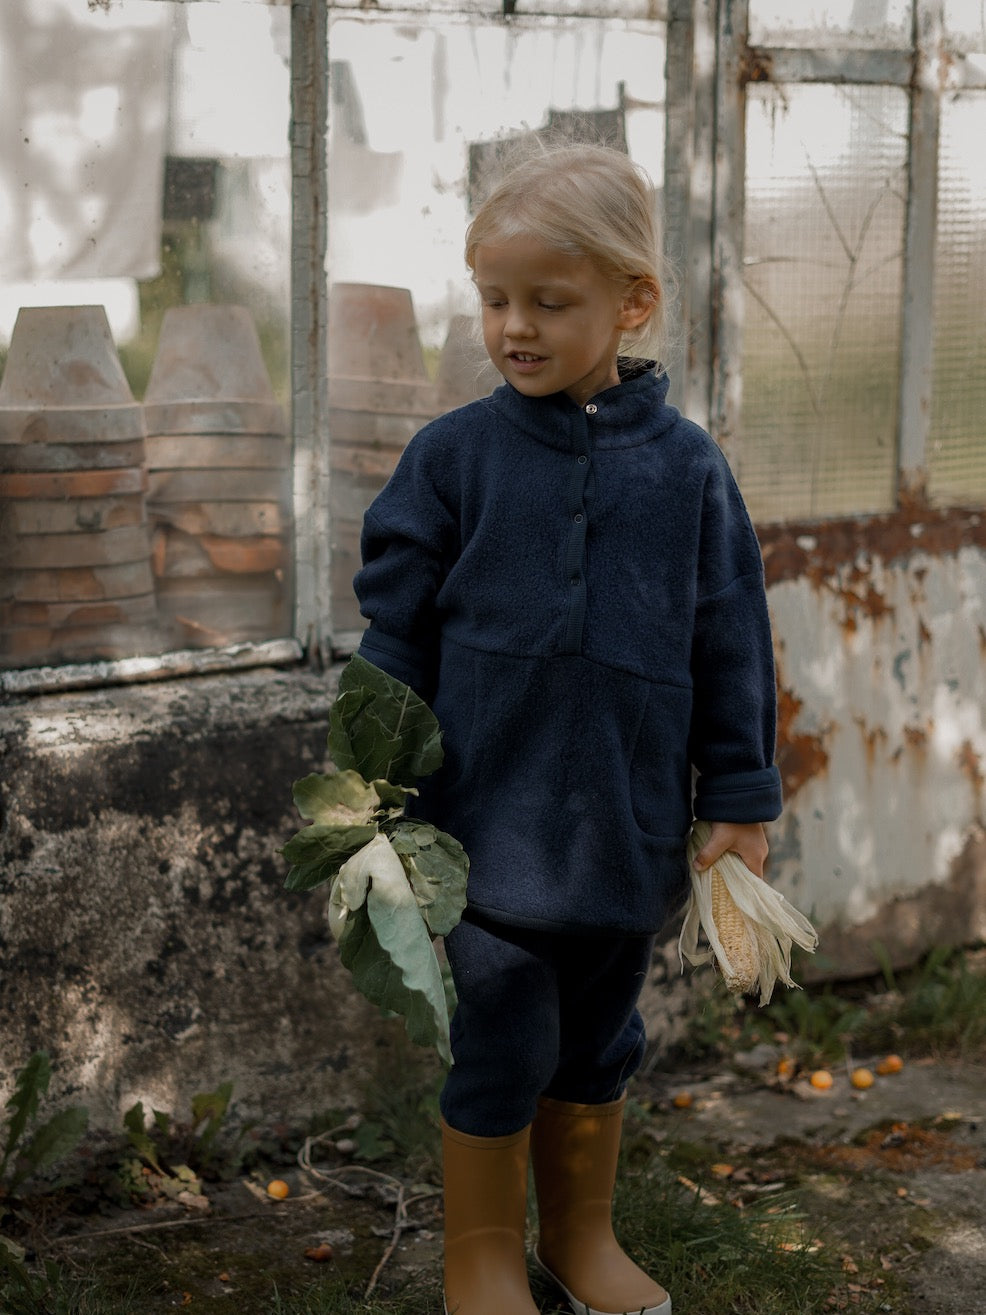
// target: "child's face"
[[552, 322]]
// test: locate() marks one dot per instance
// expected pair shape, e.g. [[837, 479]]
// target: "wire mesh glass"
[[965, 20], [853, 22], [825, 197], [957, 458]]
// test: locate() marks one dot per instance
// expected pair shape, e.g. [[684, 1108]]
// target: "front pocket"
[[456, 705], [659, 770]]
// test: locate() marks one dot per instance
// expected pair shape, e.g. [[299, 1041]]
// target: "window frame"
[[709, 44]]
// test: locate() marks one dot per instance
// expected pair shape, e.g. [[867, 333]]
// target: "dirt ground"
[[898, 1171]]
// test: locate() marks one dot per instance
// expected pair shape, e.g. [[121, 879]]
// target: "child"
[[566, 572]]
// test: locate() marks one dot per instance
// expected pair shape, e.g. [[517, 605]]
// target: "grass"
[[938, 1008], [333, 1299], [48, 1290], [715, 1257]]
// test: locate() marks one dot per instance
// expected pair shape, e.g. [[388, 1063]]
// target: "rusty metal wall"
[[880, 634]]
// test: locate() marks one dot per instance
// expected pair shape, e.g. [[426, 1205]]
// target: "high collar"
[[631, 412]]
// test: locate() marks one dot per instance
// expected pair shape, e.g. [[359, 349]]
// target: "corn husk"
[[749, 926]]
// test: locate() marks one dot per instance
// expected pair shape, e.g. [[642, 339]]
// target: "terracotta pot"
[[219, 494], [380, 395], [72, 484]]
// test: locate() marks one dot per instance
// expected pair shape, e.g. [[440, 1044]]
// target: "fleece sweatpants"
[[539, 1014]]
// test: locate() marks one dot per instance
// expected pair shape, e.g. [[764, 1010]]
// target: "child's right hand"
[[747, 839]]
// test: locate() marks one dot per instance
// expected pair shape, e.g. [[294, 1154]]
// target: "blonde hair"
[[585, 200]]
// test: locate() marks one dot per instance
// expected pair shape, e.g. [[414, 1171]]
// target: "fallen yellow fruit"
[[786, 1067], [862, 1078], [891, 1064], [821, 1079], [682, 1100], [278, 1189]]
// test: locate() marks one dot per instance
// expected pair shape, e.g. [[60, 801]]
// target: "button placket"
[[578, 528]]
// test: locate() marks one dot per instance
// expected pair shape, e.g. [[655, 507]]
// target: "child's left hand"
[[747, 839]]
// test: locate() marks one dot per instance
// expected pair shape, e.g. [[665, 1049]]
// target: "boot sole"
[[581, 1308]]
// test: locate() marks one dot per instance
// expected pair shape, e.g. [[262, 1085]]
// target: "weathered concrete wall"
[[145, 937]]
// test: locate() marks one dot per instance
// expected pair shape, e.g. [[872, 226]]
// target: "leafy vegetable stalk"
[[396, 882]]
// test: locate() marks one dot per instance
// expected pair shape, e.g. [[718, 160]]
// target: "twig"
[[401, 1221], [139, 1241], [148, 1228]]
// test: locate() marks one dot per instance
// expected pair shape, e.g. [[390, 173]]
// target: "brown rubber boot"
[[575, 1150], [485, 1214]]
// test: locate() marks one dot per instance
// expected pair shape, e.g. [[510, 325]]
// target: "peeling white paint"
[[898, 702]]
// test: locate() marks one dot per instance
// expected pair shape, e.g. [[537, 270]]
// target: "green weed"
[[937, 1008], [819, 1024], [173, 1155], [28, 1148], [401, 1122], [46, 1290]]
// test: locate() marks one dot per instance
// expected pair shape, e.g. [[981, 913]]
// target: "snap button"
[[579, 518], [591, 409], [583, 459]]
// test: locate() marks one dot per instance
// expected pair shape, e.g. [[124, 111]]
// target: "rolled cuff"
[[740, 796], [405, 662]]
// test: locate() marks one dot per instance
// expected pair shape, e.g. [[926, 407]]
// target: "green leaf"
[[211, 1107], [317, 852], [381, 979], [380, 728], [388, 950], [393, 797], [410, 835], [31, 1085], [133, 1122], [53, 1141], [372, 1142], [437, 868], [13, 1270], [9, 1248], [342, 799]]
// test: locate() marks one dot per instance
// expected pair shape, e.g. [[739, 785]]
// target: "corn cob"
[[742, 970]]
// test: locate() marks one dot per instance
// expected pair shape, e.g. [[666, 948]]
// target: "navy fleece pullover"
[[578, 593]]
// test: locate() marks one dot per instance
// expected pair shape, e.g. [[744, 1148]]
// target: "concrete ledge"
[[146, 940]]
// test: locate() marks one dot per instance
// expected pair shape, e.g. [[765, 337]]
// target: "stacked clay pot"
[[75, 574], [218, 460], [380, 395]]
